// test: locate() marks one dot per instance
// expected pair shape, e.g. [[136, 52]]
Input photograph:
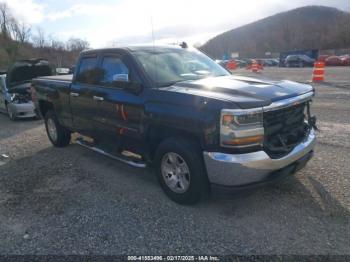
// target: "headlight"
[[14, 98], [241, 128]]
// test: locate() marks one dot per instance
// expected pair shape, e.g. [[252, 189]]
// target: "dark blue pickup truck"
[[175, 108]]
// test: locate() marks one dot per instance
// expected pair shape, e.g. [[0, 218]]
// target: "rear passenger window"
[[88, 72], [113, 69]]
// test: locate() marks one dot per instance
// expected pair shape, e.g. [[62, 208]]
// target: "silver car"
[[15, 96], [16, 105]]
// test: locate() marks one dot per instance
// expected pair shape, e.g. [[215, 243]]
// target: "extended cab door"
[[118, 111], [81, 97]]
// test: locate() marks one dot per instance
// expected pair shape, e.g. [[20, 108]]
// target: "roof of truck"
[[133, 48]]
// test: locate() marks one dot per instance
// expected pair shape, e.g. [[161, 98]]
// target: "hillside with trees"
[[311, 27], [20, 41]]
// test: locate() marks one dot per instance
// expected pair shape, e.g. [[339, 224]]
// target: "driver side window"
[[113, 69]]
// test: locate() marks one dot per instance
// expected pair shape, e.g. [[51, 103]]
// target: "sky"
[[122, 22]]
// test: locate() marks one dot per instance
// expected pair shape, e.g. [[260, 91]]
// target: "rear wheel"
[[58, 135], [180, 171]]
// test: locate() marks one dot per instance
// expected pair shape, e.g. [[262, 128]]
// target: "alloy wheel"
[[175, 172]]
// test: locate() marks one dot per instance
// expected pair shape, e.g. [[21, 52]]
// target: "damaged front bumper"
[[236, 170], [23, 110]]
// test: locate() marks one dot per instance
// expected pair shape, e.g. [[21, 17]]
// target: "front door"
[[118, 111]]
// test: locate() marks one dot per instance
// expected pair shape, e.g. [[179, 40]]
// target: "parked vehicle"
[[334, 61], [16, 106], [309, 53], [241, 63], [62, 71], [322, 58], [345, 59], [271, 62], [298, 61], [247, 61], [15, 93], [175, 108], [266, 62]]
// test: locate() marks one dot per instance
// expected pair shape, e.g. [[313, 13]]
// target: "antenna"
[[152, 31], [154, 51]]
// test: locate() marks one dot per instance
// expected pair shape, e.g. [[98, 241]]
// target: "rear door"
[[81, 95]]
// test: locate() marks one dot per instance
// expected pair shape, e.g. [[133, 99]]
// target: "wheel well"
[[157, 134], [44, 107]]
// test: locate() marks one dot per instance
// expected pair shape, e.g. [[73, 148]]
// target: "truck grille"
[[284, 129]]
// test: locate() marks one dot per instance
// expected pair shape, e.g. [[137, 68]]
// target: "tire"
[[58, 135], [188, 153], [10, 113], [37, 115]]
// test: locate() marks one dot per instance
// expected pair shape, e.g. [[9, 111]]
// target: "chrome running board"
[[119, 158]]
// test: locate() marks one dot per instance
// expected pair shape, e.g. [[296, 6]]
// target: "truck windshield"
[[167, 66]]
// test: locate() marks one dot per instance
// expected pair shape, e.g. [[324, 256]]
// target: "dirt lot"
[[74, 201]]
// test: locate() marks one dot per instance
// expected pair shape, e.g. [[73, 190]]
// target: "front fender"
[[189, 118]]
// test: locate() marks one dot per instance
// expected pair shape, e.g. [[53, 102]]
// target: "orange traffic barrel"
[[255, 67], [231, 65], [318, 72]]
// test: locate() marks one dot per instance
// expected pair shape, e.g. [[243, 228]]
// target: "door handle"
[[98, 98], [74, 94]]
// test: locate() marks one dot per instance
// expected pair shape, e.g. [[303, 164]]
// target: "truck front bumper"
[[236, 170]]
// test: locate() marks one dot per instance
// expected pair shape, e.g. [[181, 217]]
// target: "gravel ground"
[[74, 201]]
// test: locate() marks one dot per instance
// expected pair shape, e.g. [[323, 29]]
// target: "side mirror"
[[123, 81]]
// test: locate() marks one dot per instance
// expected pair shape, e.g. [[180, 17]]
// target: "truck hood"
[[246, 92]]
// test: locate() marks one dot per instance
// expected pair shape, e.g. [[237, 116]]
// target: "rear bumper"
[[23, 110], [257, 167]]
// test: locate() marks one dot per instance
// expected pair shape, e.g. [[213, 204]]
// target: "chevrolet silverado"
[[176, 109]]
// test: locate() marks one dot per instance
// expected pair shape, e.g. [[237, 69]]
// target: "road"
[[74, 201]]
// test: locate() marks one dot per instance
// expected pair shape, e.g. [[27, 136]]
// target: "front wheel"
[[180, 171], [58, 135]]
